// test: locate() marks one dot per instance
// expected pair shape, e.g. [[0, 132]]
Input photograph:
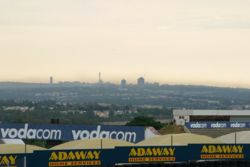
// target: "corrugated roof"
[[18, 148], [178, 139], [242, 137], [91, 144]]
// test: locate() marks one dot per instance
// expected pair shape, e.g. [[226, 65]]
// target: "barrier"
[[219, 152], [71, 132], [215, 125], [130, 155], [68, 158], [13, 160], [152, 154]]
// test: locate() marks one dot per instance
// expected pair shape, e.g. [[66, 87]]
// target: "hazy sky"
[[168, 41]]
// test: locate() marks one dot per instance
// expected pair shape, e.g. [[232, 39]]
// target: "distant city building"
[[99, 79], [51, 80], [102, 114], [123, 83], [140, 81], [156, 84]]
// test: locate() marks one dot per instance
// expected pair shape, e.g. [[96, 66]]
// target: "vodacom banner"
[[71, 132]]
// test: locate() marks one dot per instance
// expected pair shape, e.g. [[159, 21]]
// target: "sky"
[[202, 42]]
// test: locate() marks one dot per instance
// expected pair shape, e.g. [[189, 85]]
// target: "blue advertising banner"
[[151, 154], [219, 152], [127, 155], [68, 158], [203, 125], [71, 132], [13, 160]]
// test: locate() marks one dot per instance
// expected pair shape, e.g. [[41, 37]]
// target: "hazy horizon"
[[174, 42], [117, 82]]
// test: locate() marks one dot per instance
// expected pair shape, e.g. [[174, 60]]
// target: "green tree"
[[145, 121]]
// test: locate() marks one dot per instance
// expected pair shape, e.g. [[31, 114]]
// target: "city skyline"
[[170, 42], [121, 82]]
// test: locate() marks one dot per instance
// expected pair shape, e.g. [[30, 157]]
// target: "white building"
[[180, 117], [102, 114]]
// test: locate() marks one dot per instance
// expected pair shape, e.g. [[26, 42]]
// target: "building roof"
[[18, 148], [91, 144], [177, 139], [241, 137], [211, 112]]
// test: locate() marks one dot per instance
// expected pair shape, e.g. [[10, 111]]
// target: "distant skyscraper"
[[51, 80], [123, 83], [140, 81], [99, 79]]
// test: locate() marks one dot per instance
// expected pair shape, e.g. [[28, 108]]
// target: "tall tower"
[[51, 80], [99, 80], [99, 77]]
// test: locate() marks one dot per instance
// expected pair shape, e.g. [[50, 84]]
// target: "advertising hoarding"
[[216, 125], [151, 154], [69, 158], [219, 152], [71, 132]]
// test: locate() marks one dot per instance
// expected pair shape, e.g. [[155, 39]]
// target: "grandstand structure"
[[183, 116], [213, 123], [216, 132]]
